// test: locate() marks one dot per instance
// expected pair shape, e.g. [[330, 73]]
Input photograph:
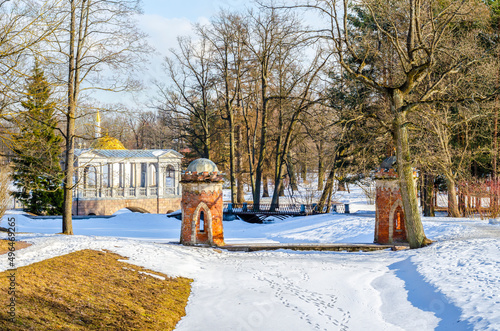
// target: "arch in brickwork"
[[196, 220], [136, 208], [395, 205]]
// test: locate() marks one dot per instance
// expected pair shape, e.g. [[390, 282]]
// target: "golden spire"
[[97, 133]]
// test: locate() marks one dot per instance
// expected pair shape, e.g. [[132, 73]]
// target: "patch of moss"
[[92, 290], [4, 245]]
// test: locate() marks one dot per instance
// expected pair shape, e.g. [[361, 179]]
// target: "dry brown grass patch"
[[4, 245], [93, 290]]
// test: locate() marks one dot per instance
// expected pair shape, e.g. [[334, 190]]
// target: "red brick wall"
[[388, 203], [210, 196], [109, 207]]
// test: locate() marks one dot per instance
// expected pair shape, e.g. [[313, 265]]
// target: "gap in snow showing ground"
[[451, 285]]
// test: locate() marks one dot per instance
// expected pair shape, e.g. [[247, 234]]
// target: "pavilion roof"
[[129, 153]]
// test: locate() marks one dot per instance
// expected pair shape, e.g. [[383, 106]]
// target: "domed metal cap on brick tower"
[[389, 162], [202, 165]]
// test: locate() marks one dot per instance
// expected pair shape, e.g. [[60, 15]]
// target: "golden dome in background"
[[107, 142]]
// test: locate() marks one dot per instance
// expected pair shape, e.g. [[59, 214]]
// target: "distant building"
[[140, 180], [109, 177]]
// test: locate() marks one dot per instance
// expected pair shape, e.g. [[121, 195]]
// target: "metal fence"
[[282, 209]]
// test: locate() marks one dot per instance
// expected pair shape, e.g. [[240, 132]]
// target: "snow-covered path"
[[288, 291], [451, 285]]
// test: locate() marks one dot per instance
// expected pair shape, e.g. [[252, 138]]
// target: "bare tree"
[[270, 33], [189, 98], [302, 94], [448, 153], [228, 36], [416, 32], [23, 26], [99, 45]]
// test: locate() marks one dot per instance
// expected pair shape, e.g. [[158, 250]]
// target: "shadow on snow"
[[427, 297]]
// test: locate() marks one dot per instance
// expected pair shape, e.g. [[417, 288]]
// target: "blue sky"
[[164, 21], [188, 9]]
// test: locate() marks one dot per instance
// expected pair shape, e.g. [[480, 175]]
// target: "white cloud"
[[163, 32]]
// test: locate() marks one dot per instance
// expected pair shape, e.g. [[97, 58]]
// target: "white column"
[[98, 184], [137, 177], [160, 175]]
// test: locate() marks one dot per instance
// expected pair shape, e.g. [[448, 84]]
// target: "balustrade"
[[120, 192], [169, 190], [89, 193]]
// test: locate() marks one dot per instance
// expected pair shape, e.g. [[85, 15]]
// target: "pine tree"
[[37, 171]]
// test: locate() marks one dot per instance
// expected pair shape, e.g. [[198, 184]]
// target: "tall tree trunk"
[[232, 166], [67, 221], [206, 144], [326, 195], [263, 138], [453, 208], [328, 189], [291, 172], [303, 170], [280, 161], [341, 187], [428, 194], [280, 183], [240, 195], [265, 186], [321, 170], [281, 192], [414, 229], [250, 152]]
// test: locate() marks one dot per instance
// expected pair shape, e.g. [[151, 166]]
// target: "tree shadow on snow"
[[427, 297]]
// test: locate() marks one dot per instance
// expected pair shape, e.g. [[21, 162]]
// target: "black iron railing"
[[282, 209]]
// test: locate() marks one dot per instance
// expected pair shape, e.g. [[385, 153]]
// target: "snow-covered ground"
[[453, 284]]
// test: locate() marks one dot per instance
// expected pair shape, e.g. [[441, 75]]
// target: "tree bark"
[[413, 223], [428, 195], [206, 143], [291, 172], [321, 170], [328, 189], [281, 192], [453, 208], [67, 221], [341, 185], [259, 170], [303, 170], [265, 191], [232, 165], [240, 191]]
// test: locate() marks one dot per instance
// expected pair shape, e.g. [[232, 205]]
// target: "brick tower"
[[202, 205], [390, 217]]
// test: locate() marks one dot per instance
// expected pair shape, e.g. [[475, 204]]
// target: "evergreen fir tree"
[[37, 171]]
